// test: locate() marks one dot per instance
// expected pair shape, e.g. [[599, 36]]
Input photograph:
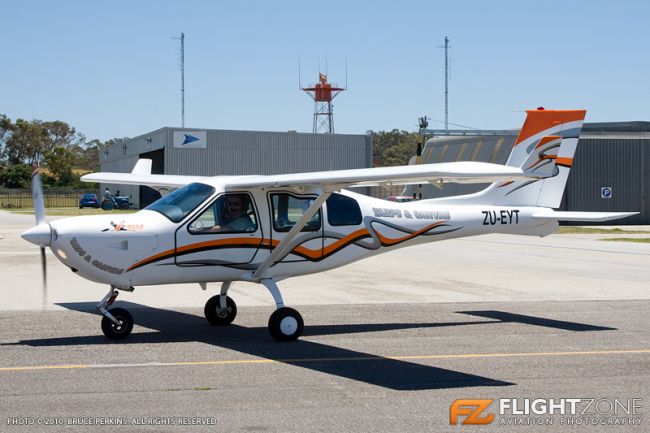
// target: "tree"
[[60, 162], [63, 135], [27, 143], [393, 147], [5, 131], [88, 155], [16, 176]]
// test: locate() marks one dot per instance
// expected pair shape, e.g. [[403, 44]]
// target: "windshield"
[[181, 202]]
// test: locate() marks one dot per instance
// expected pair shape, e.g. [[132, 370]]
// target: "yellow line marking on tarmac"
[[340, 359]]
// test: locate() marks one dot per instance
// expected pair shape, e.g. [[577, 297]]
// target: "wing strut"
[[283, 247]]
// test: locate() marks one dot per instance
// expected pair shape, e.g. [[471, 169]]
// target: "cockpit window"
[[181, 202]]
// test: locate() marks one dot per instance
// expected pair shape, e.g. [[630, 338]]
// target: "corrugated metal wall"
[[485, 148], [251, 152], [241, 152], [619, 163]]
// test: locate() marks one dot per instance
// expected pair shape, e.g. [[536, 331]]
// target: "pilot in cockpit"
[[235, 214]]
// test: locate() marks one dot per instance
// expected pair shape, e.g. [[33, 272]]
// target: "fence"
[[22, 198]]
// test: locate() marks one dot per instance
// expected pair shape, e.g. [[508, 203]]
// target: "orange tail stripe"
[[564, 161], [541, 120], [547, 139]]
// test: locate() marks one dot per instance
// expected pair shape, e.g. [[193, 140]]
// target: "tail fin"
[[545, 146]]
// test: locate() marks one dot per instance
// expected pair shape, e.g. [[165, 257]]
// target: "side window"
[[230, 213], [343, 211], [287, 210]]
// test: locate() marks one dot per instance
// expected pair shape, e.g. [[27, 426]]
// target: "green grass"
[[638, 240], [73, 211], [599, 231]]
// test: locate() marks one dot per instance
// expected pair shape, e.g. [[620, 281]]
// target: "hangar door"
[[149, 195]]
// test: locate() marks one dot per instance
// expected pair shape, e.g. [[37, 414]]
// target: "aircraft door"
[[286, 210], [226, 232]]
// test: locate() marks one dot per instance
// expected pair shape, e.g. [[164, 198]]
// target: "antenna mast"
[[182, 38], [446, 84]]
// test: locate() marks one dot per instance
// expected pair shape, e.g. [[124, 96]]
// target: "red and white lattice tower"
[[323, 93]]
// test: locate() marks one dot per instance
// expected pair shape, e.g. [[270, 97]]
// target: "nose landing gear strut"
[[117, 323]]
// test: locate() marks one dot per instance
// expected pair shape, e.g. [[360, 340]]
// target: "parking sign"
[[606, 192]]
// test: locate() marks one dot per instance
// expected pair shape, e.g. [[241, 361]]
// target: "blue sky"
[[111, 69]]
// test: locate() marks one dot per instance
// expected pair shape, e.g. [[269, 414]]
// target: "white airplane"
[[264, 229]]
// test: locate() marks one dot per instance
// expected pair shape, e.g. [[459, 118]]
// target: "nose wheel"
[[117, 323], [220, 315], [121, 329]]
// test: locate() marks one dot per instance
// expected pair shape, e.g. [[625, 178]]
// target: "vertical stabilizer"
[[545, 147]]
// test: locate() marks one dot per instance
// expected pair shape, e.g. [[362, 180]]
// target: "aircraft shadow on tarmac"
[[177, 327], [502, 316]]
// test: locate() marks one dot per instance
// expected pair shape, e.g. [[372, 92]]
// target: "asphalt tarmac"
[[389, 344]]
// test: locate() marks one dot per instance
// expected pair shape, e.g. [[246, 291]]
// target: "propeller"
[[41, 234]]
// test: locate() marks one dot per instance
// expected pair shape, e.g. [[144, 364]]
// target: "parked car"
[[88, 200], [399, 198]]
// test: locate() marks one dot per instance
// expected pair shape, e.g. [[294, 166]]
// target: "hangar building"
[[212, 152], [611, 172]]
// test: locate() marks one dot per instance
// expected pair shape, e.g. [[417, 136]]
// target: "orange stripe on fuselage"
[[304, 251], [388, 241], [190, 247], [541, 120], [317, 254]]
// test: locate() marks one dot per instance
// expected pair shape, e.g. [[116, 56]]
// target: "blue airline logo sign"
[[190, 139]]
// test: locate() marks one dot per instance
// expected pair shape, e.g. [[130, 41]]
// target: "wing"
[[437, 174]]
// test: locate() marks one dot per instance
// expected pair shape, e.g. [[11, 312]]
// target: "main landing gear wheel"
[[218, 316], [115, 331], [286, 324]]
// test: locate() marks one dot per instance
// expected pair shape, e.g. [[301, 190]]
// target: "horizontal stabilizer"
[[581, 216]]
